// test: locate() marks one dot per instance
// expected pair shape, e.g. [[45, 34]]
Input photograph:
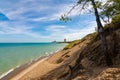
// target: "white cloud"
[[44, 11], [55, 12], [79, 33], [7, 28], [59, 31], [63, 9], [40, 19], [54, 32], [16, 11], [56, 28]]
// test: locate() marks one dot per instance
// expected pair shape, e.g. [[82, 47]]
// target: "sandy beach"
[[46, 65], [22, 73], [42, 66], [27, 66]]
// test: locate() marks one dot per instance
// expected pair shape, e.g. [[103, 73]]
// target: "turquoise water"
[[13, 54]]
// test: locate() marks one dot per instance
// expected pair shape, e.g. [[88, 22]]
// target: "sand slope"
[[81, 62]]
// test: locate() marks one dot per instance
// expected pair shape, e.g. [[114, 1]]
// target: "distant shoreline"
[[61, 42]]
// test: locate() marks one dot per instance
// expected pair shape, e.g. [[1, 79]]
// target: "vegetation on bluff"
[[94, 36]]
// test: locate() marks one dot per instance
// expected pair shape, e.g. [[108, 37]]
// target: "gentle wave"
[[14, 54], [47, 54]]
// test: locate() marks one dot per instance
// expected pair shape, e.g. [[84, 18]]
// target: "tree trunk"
[[102, 35]]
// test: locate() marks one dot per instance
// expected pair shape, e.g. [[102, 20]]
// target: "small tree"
[[109, 10], [99, 26]]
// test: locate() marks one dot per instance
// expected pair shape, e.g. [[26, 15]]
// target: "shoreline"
[[14, 71], [19, 68]]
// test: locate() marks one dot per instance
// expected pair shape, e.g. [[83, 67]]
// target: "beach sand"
[[38, 69], [41, 67], [22, 73], [35, 68]]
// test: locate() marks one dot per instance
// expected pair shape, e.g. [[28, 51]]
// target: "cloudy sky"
[[38, 21]]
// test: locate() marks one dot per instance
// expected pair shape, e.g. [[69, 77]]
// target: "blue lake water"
[[13, 54]]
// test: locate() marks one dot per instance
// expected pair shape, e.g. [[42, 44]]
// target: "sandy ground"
[[46, 65], [21, 74], [38, 69]]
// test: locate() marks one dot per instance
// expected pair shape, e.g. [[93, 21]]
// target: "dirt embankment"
[[83, 60]]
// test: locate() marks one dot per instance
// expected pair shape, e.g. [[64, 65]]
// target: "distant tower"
[[64, 40], [54, 41]]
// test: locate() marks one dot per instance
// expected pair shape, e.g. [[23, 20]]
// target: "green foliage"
[[72, 44], [109, 10], [116, 19], [98, 4], [64, 18], [91, 37]]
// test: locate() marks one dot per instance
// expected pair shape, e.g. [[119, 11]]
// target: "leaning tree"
[[101, 31]]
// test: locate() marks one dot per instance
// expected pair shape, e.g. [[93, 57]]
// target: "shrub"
[[116, 19], [72, 44]]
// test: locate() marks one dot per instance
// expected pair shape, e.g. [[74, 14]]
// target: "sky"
[[38, 21]]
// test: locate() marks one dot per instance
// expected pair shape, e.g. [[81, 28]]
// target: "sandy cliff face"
[[91, 63]]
